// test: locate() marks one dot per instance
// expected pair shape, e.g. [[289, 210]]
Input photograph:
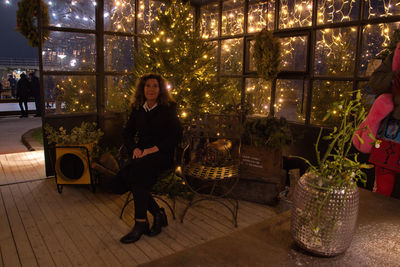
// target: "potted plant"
[[325, 204], [261, 174], [86, 134], [263, 141]]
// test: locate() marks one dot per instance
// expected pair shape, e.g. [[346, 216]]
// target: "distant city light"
[[61, 56], [7, 2]]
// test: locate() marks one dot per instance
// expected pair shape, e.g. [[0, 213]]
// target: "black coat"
[[159, 127], [23, 88], [35, 87]]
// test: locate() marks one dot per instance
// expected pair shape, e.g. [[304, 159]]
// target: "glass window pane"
[[119, 17], [231, 100], [69, 51], [72, 14], [337, 11], [118, 91], [118, 53], [261, 14], [335, 51], [324, 94], [368, 97], [293, 53], [375, 38], [231, 55], [146, 16], [290, 98], [295, 13], [69, 94], [381, 8], [258, 96], [232, 17], [214, 54], [252, 65], [209, 20]]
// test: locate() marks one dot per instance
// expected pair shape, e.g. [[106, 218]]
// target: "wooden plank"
[[63, 226], [18, 170], [85, 212], [37, 162], [1, 258], [8, 173], [2, 169], [178, 232], [262, 211], [21, 165], [117, 227], [68, 210], [24, 248], [61, 257], [28, 160], [128, 216], [9, 253], [144, 245], [159, 248], [35, 238], [14, 175]]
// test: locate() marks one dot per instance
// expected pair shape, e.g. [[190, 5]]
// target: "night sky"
[[12, 43]]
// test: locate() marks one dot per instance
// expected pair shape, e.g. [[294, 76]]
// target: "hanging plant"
[[27, 20], [267, 55]]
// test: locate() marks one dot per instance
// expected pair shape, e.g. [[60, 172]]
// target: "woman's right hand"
[[137, 153]]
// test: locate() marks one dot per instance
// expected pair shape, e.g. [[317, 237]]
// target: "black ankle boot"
[[137, 231], [160, 220]]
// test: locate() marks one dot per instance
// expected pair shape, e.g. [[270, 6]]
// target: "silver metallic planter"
[[323, 221]]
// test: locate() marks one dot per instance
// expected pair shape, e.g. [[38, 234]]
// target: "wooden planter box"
[[260, 164], [261, 175]]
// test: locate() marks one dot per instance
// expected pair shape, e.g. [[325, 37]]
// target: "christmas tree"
[[175, 49]]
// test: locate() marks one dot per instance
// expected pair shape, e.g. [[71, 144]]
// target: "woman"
[[151, 134]]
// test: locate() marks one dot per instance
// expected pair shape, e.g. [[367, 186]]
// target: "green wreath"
[[267, 55], [27, 20]]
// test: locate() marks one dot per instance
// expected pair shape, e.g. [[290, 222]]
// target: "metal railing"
[[19, 63]]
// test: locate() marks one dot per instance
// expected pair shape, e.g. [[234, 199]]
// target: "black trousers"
[[38, 105], [25, 102], [139, 176]]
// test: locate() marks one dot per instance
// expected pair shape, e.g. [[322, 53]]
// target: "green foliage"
[[86, 133], [267, 132], [175, 49], [324, 94], [173, 186], [78, 94], [27, 20], [38, 135], [267, 55], [338, 167]]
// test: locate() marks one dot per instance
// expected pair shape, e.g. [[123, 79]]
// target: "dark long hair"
[[164, 97]]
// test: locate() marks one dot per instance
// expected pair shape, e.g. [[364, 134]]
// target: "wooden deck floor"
[[39, 227], [19, 167]]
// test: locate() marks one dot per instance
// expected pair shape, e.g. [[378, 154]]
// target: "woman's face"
[[151, 90]]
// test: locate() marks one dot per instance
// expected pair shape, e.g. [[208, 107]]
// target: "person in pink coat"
[[379, 134]]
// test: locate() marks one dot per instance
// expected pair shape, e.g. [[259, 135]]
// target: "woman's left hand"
[[148, 151]]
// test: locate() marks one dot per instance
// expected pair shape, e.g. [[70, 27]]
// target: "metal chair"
[[210, 161]]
